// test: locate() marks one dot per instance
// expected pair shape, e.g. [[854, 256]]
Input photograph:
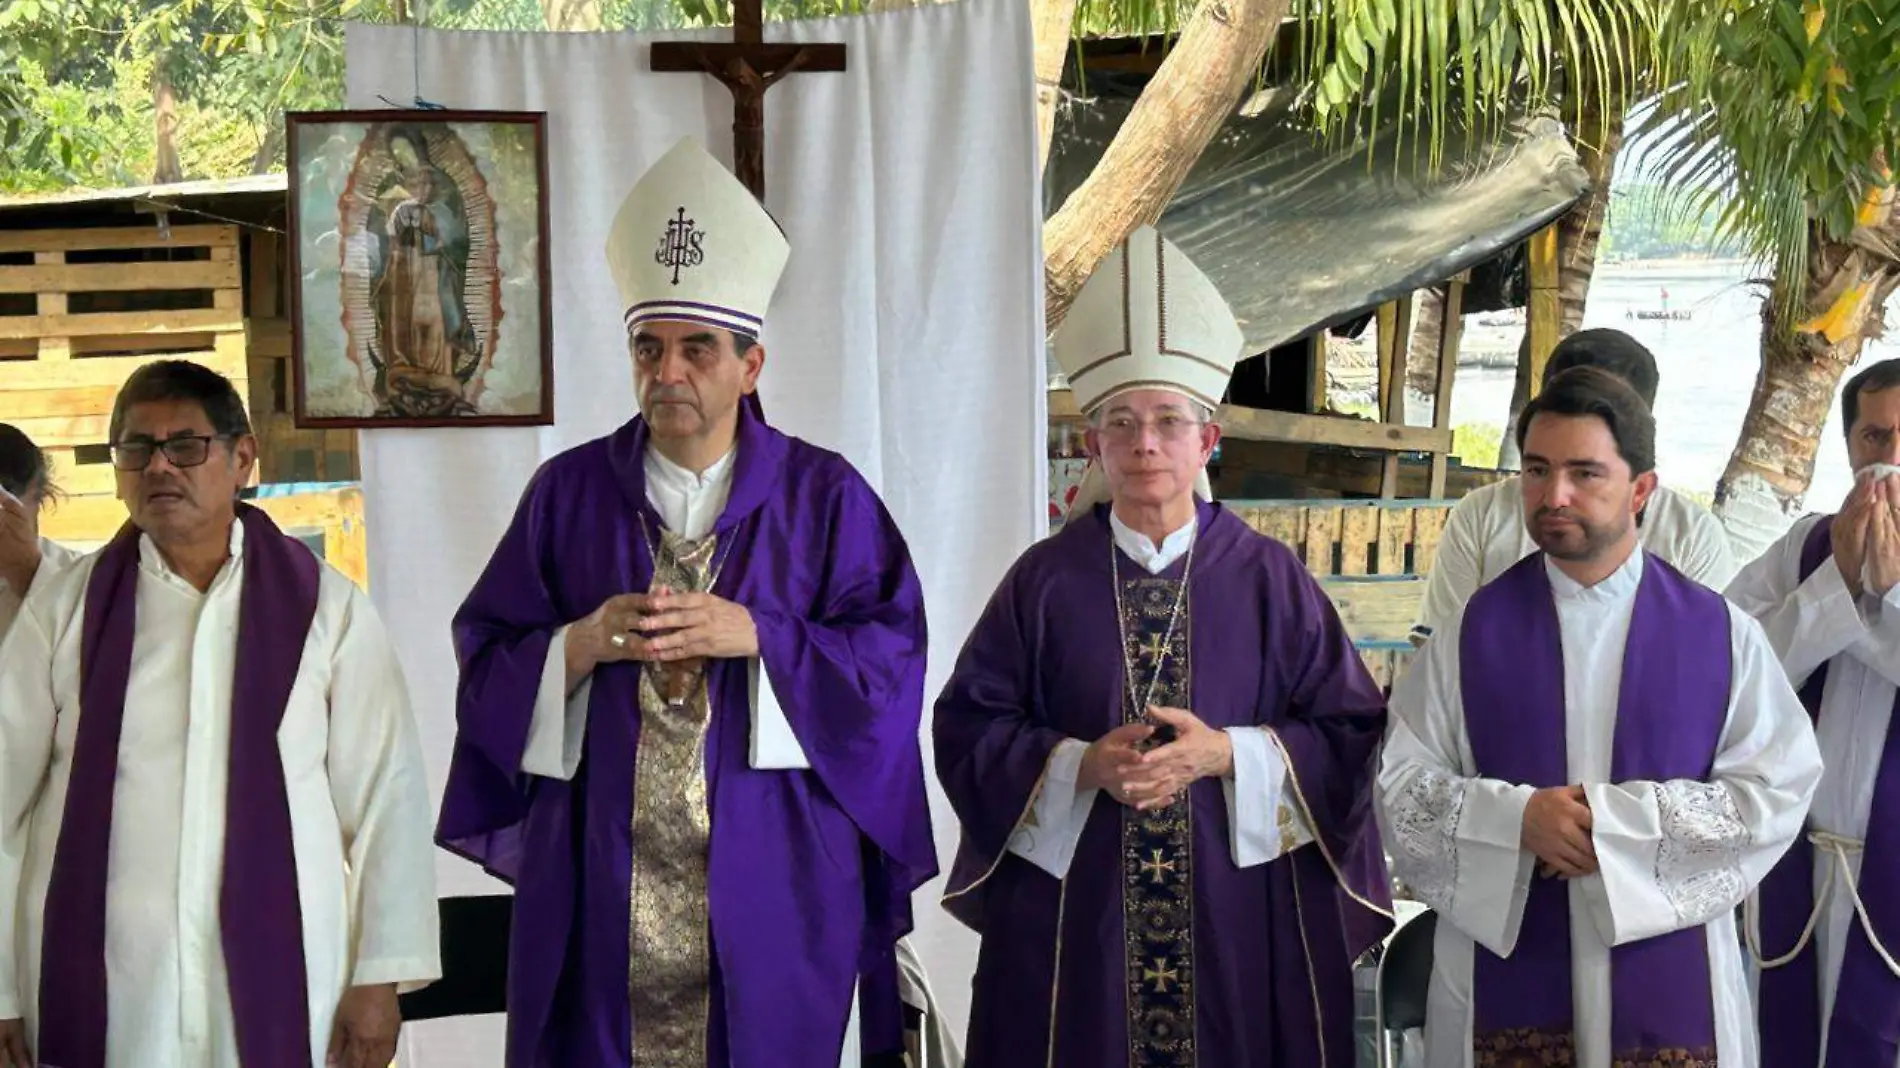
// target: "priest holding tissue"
[[1160, 740], [692, 680], [214, 816], [1825, 926], [1589, 767]]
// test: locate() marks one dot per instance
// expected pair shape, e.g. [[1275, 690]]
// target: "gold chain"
[[1121, 620]]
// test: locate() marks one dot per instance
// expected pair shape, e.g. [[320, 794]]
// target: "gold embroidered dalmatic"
[[1157, 848], [668, 963]]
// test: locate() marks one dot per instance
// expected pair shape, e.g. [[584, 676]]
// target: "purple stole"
[[258, 907], [1865, 1029], [1672, 705]]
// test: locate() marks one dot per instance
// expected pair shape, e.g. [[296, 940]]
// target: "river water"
[[1708, 366]]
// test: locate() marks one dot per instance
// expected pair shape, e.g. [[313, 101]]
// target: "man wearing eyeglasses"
[[206, 858], [1159, 739]]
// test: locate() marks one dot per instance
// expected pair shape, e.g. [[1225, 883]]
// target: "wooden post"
[[1316, 386], [1395, 329], [1449, 333], [1546, 309], [265, 277], [747, 66]]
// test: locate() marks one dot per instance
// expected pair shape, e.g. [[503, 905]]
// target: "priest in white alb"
[[208, 857], [1825, 926], [1587, 770], [1488, 530]]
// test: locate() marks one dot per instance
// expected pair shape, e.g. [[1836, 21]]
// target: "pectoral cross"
[[748, 67]]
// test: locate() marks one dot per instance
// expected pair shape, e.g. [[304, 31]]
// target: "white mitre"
[[1146, 319], [692, 244]]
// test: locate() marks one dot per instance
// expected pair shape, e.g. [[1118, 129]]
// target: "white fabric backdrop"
[[907, 333]]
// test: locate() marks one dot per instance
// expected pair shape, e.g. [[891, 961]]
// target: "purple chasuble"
[[1864, 1031], [258, 909], [1672, 706], [810, 872], [1271, 947]]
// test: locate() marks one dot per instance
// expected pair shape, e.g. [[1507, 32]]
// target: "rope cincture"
[[1840, 847]]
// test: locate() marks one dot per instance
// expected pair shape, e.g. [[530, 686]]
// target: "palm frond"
[[1787, 112], [1474, 62], [1130, 18]]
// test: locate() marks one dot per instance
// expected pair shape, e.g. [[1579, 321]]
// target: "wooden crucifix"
[[748, 67]]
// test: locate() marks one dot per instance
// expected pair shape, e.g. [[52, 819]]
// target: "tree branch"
[[1184, 106]]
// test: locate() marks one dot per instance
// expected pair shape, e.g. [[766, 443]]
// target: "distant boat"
[[1666, 315]]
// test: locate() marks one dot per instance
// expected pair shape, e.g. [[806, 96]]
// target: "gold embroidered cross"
[[1161, 975], [1154, 649], [1156, 867]]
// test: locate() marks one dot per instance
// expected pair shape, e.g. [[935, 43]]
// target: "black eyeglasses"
[[185, 450]]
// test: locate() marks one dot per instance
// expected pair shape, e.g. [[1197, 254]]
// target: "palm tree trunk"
[[1052, 21], [1579, 233], [1768, 474], [1191, 95]]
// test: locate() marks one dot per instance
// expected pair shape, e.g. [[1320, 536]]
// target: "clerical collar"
[[661, 469], [1142, 551], [689, 504], [1620, 584]]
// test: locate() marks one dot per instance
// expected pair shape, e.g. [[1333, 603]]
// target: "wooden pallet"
[[62, 366], [330, 521], [1371, 557], [286, 454]]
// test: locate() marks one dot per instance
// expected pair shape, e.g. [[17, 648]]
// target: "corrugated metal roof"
[[1298, 233], [175, 192]]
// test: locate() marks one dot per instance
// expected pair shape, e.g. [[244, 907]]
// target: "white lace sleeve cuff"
[[1669, 857], [1424, 820], [559, 725], [1048, 834], [1264, 816], [1455, 844]]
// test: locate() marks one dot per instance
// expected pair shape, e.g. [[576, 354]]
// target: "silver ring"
[[619, 640]]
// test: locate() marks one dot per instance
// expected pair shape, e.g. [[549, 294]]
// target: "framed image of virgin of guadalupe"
[[419, 258]]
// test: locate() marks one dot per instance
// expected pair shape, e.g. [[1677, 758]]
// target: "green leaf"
[[1787, 62]]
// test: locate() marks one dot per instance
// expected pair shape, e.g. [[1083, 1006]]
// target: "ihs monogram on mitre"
[[674, 269], [680, 245]]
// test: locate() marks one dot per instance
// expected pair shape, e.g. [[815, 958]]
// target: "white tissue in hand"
[[1872, 473]]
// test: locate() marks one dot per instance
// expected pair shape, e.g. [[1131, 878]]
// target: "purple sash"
[[1672, 704], [258, 907], [1865, 1029]]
